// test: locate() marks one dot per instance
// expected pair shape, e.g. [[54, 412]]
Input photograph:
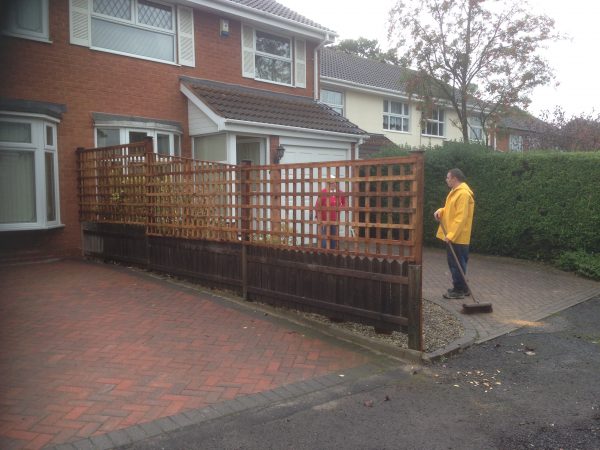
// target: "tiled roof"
[[363, 71], [523, 121], [375, 143], [255, 105], [277, 9]]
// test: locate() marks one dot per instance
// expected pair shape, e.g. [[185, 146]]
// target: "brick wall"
[[89, 81]]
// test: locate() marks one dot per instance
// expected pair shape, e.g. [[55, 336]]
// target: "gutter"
[[357, 137], [246, 11]]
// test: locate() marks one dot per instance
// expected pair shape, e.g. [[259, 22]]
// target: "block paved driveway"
[[94, 355], [521, 292], [87, 349]]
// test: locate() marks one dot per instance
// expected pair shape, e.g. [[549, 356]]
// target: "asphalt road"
[[536, 388]]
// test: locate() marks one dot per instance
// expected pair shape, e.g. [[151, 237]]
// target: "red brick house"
[[219, 80], [518, 131]]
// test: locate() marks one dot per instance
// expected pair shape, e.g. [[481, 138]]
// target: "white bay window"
[[28, 174]]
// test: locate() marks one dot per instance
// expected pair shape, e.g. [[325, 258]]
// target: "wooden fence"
[[269, 232]]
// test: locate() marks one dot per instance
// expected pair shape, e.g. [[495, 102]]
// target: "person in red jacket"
[[327, 213]]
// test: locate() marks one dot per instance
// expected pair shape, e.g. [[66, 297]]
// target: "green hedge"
[[539, 205]]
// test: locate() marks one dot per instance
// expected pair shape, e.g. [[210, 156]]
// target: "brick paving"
[[95, 356], [88, 349], [521, 292]]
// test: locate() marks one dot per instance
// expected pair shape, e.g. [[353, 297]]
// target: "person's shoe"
[[466, 294], [452, 294]]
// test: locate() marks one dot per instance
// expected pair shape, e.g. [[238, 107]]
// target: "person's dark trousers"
[[462, 253], [332, 232]]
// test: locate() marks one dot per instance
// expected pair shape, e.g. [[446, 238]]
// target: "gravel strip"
[[440, 328]]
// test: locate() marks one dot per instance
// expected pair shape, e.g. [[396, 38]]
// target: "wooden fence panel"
[[257, 229]]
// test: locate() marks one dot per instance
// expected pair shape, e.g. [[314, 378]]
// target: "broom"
[[468, 308]]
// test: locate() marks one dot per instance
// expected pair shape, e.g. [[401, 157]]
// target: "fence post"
[[245, 213], [418, 193], [80, 190], [148, 171], [415, 308]]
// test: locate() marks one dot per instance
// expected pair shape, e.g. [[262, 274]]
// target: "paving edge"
[[371, 345], [458, 345], [165, 425]]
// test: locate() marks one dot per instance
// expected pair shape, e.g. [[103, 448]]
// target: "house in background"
[[518, 131], [374, 95], [220, 80]]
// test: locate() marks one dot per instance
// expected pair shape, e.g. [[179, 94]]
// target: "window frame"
[[520, 141], [135, 24], [335, 106], [40, 147], [9, 27], [475, 129], [434, 120], [387, 103], [174, 144], [290, 60]]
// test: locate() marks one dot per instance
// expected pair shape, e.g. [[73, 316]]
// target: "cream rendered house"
[[372, 95]]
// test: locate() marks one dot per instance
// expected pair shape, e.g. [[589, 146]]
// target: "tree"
[[473, 54], [571, 133], [366, 48]]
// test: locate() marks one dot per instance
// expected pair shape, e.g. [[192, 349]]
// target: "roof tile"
[[255, 105]]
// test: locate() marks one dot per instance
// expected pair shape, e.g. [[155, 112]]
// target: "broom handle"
[[464, 277]]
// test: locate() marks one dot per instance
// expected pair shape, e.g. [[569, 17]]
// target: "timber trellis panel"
[[253, 229], [379, 212]]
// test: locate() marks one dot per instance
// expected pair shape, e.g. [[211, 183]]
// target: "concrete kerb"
[[223, 410], [380, 349], [371, 345], [468, 339]]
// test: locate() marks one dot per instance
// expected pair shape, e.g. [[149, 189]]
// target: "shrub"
[[528, 205], [585, 264]]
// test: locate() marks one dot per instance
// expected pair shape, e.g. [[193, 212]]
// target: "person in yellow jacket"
[[457, 218]]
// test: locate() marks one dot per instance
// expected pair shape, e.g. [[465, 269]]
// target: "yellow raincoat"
[[457, 215]]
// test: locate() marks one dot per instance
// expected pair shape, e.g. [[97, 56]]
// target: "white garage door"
[[294, 154]]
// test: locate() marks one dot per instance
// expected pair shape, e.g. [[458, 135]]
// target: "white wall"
[[366, 111]]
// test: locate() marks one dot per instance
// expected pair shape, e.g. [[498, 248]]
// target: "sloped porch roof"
[[230, 103]]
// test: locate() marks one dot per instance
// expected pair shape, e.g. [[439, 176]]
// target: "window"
[[434, 125], [273, 58], [395, 116], [333, 99], [515, 143], [165, 143], [141, 28], [26, 19], [28, 174], [475, 129], [113, 129]]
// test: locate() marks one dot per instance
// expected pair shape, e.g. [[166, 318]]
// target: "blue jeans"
[[462, 254], [332, 232]]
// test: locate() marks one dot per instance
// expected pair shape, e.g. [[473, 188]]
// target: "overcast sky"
[[576, 61]]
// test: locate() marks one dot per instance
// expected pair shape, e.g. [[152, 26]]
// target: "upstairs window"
[[26, 18], [273, 58], [141, 28], [333, 99], [434, 125], [395, 116]]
